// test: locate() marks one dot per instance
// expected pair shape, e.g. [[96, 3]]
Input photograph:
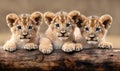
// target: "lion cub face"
[[61, 23], [25, 26], [94, 29]]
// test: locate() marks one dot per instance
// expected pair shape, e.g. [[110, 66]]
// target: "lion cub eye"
[[57, 25], [30, 27], [86, 29], [19, 27], [67, 24], [98, 29]]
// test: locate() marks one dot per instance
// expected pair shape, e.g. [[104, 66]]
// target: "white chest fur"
[[57, 44]]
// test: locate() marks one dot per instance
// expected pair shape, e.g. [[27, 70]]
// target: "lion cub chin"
[[93, 31], [60, 32], [25, 31]]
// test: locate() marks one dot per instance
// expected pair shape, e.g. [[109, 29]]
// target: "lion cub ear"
[[48, 17], [37, 17], [77, 17], [106, 21], [11, 19]]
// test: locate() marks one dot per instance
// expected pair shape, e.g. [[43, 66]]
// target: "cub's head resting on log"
[[25, 31], [94, 30], [60, 31]]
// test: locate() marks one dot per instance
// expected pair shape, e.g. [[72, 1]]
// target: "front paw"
[[30, 46], [105, 45], [9, 46], [68, 47], [78, 47], [46, 49]]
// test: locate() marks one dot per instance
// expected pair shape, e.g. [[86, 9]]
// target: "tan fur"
[[93, 31], [60, 32], [25, 31]]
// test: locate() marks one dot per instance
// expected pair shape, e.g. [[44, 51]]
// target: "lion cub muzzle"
[[92, 39], [62, 34], [25, 35]]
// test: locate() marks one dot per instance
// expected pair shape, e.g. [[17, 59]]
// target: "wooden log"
[[85, 60]]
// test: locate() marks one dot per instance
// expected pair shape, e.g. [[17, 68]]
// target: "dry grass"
[[114, 39], [4, 37]]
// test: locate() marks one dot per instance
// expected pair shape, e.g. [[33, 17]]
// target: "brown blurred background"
[[86, 7]]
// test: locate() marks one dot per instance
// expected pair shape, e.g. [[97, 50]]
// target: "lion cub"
[[60, 32], [25, 31], [93, 31]]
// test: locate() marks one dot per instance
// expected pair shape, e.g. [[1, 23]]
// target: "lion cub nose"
[[63, 32], [92, 36], [25, 34]]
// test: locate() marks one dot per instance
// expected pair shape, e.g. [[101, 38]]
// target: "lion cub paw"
[[9, 46], [46, 49], [68, 47], [105, 45], [78, 47], [30, 46]]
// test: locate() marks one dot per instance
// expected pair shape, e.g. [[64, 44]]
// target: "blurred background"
[[86, 7]]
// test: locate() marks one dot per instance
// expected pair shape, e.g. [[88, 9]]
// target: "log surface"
[[85, 60]]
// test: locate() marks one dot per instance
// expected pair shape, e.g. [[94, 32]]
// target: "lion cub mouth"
[[25, 38], [92, 41], [63, 37]]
